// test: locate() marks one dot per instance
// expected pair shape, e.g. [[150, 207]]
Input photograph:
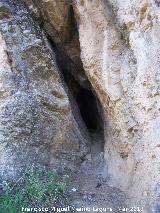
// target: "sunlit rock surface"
[[37, 125], [120, 50]]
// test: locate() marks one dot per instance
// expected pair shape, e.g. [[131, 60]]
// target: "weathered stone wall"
[[58, 21], [37, 126], [120, 52]]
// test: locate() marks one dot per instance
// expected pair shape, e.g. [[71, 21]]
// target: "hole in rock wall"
[[89, 112], [85, 104], [83, 95], [88, 109], [88, 105]]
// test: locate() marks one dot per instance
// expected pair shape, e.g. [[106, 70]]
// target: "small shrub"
[[37, 188]]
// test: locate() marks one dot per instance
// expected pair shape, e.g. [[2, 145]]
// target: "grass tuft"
[[37, 188]]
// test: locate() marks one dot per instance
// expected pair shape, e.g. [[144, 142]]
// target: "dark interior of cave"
[[88, 108], [87, 102]]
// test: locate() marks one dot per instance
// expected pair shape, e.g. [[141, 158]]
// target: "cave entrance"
[[80, 91], [88, 105], [88, 109], [91, 113], [88, 112]]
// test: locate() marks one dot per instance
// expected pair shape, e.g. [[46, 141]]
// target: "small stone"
[[74, 190]]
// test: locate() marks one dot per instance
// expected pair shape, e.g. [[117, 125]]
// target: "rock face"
[[58, 20], [115, 45], [120, 49], [37, 125]]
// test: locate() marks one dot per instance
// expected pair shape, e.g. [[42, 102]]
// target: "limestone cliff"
[[37, 124], [120, 53], [54, 53]]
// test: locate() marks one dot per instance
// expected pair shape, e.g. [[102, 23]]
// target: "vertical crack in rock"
[[85, 104], [61, 29]]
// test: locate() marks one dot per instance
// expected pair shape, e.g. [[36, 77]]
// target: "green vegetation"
[[37, 188]]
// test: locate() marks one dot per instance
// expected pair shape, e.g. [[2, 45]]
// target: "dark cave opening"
[[84, 97], [82, 93], [86, 101], [88, 108], [85, 104]]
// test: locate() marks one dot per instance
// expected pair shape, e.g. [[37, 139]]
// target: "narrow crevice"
[[85, 104], [88, 108], [73, 23]]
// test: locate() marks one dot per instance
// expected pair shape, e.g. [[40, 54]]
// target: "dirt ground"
[[90, 189]]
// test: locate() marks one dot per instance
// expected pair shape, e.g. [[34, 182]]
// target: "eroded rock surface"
[[58, 21], [37, 124], [120, 52]]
